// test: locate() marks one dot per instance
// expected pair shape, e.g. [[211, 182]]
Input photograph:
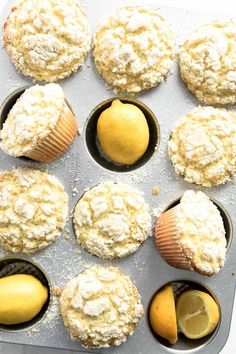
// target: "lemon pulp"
[[197, 314]]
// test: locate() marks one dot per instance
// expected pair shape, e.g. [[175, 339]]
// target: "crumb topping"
[[101, 307], [201, 231], [155, 190], [207, 62], [202, 146], [33, 209], [32, 118], [133, 49], [47, 39], [112, 220]]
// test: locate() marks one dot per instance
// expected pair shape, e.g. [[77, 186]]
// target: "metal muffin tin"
[[184, 344], [93, 144], [78, 170], [20, 265]]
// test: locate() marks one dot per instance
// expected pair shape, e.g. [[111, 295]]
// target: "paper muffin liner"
[[59, 139], [168, 241]]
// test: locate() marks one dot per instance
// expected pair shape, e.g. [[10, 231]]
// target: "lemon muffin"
[[47, 40], [191, 235], [33, 209], [207, 62], [112, 220], [40, 125], [202, 146], [133, 49], [123, 132], [101, 307]]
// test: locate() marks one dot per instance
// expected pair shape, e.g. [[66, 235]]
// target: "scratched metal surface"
[[76, 169]]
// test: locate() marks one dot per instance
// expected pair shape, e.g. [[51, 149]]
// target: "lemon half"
[[162, 314], [123, 132], [197, 314]]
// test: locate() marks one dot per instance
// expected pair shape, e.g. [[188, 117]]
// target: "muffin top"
[[207, 62], [101, 307], [201, 231], [112, 220], [47, 39], [133, 49], [32, 118], [33, 209], [202, 146]]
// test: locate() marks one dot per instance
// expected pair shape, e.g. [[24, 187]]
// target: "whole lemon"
[[123, 132], [21, 298]]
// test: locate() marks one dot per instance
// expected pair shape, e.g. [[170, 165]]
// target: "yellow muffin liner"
[[168, 241], [59, 139]]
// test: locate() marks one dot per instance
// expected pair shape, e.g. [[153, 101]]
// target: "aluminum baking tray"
[[77, 170]]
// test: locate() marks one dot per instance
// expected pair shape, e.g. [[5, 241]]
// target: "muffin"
[[40, 125], [191, 235], [207, 63], [112, 220], [101, 307], [134, 49], [33, 210], [47, 40], [202, 146]]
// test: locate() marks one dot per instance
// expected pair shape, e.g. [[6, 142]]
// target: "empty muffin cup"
[[169, 244], [18, 265], [95, 149], [58, 139], [183, 343]]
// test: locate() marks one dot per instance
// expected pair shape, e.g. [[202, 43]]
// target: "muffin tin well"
[[7, 105], [19, 265], [83, 167], [184, 344], [96, 151], [9, 102]]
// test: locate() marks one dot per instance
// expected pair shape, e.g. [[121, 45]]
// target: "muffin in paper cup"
[[168, 241], [191, 235], [59, 140], [107, 301], [37, 123], [47, 40]]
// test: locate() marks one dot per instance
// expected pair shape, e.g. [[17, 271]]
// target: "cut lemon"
[[162, 314], [197, 314]]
